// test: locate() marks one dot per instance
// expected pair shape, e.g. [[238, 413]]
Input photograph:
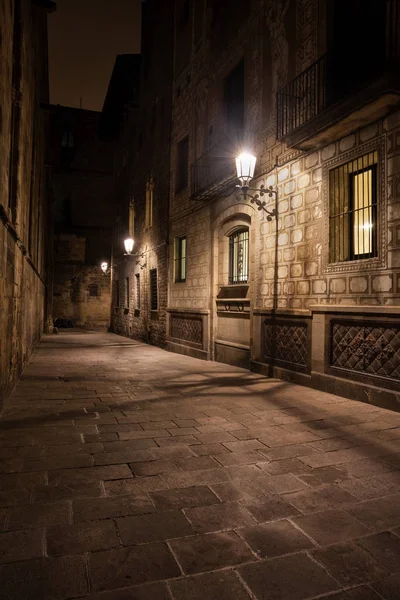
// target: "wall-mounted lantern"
[[129, 243], [245, 166], [104, 268]]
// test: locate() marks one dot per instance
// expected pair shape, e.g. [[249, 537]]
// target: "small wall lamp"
[[245, 166], [105, 268]]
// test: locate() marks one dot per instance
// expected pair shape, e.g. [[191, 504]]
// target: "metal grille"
[[352, 209], [137, 277], [187, 328], [372, 350], [286, 343], [153, 290], [239, 256], [303, 98]]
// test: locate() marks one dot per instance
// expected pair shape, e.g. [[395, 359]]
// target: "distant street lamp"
[[104, 268], [245, 166]]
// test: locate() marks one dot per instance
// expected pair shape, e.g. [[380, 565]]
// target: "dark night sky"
[[84, 38]]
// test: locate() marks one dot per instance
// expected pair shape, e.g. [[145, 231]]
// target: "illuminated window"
[[180, 259], [239, 256], [149, 203], [353, 209]]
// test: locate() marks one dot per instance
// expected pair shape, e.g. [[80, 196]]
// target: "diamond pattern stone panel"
[[186, 328], [371, 349], [287, 343]]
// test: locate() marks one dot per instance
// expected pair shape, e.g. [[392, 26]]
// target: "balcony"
[[343, 91], [212, 175], [215, 172]]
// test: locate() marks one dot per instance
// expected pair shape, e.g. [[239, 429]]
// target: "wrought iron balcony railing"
[[343, 73], [215, 171], [211, 175], [303, 98]]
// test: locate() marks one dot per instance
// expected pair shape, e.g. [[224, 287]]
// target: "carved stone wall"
[[367, 348]]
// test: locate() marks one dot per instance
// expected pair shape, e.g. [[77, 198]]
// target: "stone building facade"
[[81, 179], [142, 183], [25, 218], [311, 88]]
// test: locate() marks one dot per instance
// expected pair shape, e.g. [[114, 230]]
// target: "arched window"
[[239, 256], [94, 290]]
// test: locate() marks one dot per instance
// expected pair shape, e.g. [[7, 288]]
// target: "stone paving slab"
[[130, 473]]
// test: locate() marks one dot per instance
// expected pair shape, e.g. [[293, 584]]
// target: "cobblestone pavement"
[[129, 473]]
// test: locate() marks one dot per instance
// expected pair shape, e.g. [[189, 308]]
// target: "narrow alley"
[[128, 472]]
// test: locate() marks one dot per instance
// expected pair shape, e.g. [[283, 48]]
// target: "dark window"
[[94, 291], [117, 295], [239, 256], [180, 259], [234, 98], [182, 164], [67, 140], [184, 14], [127, 292], [137, 305], [153, 290], [353, 209]]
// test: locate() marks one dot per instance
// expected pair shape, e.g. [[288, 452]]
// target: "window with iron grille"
[[153, 290], [239, 256], [182, 165], [353, 209], [137, 304], [127, 292], [180, 259]]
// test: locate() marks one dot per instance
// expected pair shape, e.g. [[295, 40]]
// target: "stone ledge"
[[358, 310], [189, 311]]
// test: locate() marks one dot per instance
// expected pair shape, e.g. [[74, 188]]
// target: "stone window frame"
[[234, 223], [363, 264]]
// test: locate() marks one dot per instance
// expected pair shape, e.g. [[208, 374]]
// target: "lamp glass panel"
[[245, 165], [128, 245]]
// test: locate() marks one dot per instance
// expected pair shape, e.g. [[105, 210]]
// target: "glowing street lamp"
[[245, 166], [104, 267], [128, 243]]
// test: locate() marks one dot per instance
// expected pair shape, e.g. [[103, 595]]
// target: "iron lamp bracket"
[[255, 198]]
